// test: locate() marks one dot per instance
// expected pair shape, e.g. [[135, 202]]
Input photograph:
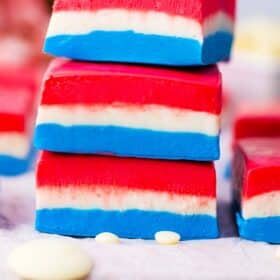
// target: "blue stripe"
[[260, 229], [12, 166], [126, 224], [131, 47], [120, 141]]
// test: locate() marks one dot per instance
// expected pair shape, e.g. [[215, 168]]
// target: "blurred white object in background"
[[14, 51], [254, 72]]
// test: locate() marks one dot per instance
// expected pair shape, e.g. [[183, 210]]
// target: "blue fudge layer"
[[12, 166], [260, 229], [131, 47], [126, 224], [128, 142]]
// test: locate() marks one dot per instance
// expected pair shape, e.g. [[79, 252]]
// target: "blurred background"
[[253, 75], [22, 27], [253, 8]]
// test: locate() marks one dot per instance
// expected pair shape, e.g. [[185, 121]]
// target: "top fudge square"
[[163, 32]]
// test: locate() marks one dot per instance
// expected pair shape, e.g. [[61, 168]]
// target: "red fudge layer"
[[70, 82], [258, 121], [18, 96], [82, 171], [195, 9]]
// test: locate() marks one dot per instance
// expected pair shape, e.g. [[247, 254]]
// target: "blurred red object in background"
[[23, 16], [257, 120], [23, 24]]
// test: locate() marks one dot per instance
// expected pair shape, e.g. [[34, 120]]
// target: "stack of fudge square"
[[129, 123]]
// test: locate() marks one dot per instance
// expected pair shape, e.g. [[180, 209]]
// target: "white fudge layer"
[[113, 198], [153, 117], [14, 144], [158, 23], [264, 205]]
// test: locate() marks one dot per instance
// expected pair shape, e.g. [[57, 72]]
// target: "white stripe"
[[264, 205], [153, 117], [151, 22], [14, 144], [114, 198]]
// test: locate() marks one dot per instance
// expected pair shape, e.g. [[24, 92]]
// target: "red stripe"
[[256, 166], [10, 123], [246, 127], [18, 95], [196, 9], [72, 83], [88, 171], [257, 120]]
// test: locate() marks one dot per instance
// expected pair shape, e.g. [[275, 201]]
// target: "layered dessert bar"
[[133, 111], [165, 32], [18, 101], [84, 195], [256, 176]]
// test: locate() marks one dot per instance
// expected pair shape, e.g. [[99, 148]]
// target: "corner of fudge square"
[[256, 183]]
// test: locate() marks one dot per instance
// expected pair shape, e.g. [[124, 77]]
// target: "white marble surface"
[[226, 258]]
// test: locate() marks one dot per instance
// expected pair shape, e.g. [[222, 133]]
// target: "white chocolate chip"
[[167, 237], [107, 238], [46, 259]]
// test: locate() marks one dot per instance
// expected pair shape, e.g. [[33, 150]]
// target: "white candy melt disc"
[[46, 259], [107, 237], [167, 237]]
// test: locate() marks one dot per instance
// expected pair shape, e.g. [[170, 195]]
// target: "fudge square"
[[128, 110], [84, 195], [256, 170], [164, 32], [18, 101]]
